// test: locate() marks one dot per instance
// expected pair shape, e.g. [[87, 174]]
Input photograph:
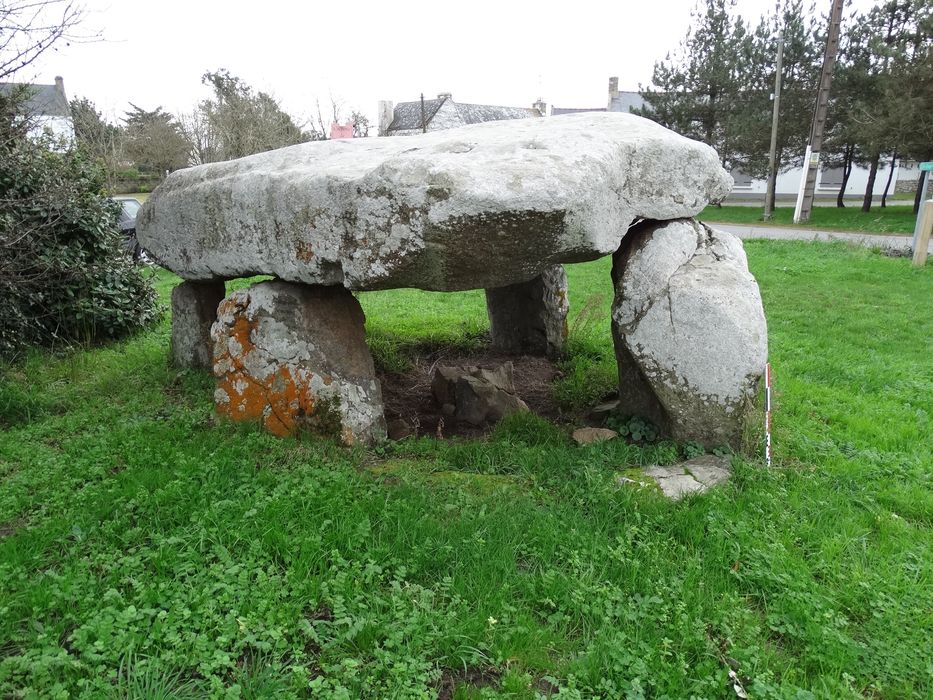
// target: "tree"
[[696, 91], [29, 28], [99, 138], [360, 124], [892, 112], [64, 275], [238, 122], [154, 140], [803, 48]]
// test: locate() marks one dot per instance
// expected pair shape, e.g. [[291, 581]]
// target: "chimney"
[[445, 95], [386, 114], [541, 106], [60, 86], [613, 91]]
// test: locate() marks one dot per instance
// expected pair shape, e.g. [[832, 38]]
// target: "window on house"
[[741, 178], [831, 177]]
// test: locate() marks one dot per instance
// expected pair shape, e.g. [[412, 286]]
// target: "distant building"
[[407, 118], [341, 131], [828, 179], [47, 106]]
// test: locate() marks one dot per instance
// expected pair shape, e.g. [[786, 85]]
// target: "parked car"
[[129, 207]]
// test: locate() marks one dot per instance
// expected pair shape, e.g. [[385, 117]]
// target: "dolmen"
[[498, 206]]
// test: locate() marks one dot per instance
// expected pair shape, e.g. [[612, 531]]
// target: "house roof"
[[42, 100], [475, 114], [621, 102], [407, 115]]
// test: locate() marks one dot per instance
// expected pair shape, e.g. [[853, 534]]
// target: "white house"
[[47, 106]]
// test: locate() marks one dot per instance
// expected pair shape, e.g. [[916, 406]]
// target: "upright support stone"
[[530, 318], [689, 329], [294, 356], [194, 309]]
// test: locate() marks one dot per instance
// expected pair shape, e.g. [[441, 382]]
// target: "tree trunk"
[[870, 187], [846, 171], [887, 185]]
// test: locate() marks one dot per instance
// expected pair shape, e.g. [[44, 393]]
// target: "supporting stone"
[[294, 357], [689, 330], [530, 318], [194, 309]]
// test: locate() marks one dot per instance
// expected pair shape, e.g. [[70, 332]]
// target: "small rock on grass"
[[587, 436]]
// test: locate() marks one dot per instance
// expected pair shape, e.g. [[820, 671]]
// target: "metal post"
[[811, 164], [424, 127], [772, 159]]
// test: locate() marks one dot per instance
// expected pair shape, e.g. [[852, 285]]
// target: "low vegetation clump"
[[149, 550], [64, 275]]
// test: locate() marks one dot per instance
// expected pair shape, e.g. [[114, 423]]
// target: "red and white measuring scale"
[[768, 414]]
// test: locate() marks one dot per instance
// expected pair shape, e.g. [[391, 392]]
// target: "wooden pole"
[[812, 160], [926, 230], [424, 127], [772, 158]]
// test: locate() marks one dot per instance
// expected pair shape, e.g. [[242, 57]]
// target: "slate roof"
[[475, 114], [624, 102], [43, 100], [407, 115]]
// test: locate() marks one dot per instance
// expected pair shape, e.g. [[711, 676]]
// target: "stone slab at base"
[[194, 310], [294, 357], [530, 318]]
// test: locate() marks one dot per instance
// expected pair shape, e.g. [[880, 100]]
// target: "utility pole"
[[812, 157], [424, 126], [772, 158]]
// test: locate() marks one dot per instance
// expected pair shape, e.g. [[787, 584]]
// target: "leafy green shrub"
[[633, 427], [64, 275]]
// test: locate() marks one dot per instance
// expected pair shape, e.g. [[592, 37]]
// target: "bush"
[[64, 274]]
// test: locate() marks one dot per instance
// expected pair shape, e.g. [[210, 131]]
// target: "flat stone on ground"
[[586, 436], [692, 476]]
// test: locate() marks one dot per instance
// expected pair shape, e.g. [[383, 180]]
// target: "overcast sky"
[[502, 52]]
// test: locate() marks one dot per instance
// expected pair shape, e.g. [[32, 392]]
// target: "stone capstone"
[[476, 395], [194, 310], [294, 357], [530, 318], [480, 207], [689, 331]]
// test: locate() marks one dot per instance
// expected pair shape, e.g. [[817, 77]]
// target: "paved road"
[[781, 233]]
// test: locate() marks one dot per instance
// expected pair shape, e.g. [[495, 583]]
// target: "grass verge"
[[893, 220], [147, 550]]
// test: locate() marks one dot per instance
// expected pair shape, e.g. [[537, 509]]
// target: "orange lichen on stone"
[[279, 400]]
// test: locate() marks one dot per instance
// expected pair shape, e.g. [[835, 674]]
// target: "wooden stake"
[[926, 230]]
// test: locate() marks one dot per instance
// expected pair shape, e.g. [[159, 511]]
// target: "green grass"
[[895, 219], [149, 551]]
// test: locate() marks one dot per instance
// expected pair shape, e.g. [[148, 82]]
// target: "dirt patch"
[[408, 395], [472, 676], [10, 528]]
